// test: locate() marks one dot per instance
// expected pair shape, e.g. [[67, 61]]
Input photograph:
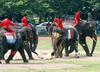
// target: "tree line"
[[44, 10]]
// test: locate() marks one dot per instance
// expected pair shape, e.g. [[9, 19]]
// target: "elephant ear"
[[56, 35]]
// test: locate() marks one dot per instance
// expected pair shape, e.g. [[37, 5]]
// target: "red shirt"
[[24, 21], [77, 17], [59, 23], [56, 20], [6, 23]]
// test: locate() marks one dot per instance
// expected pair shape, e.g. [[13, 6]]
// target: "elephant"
[[87, 28], [30, 38], [60, 40], [9, 42]]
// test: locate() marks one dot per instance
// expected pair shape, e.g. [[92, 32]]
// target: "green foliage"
[[97, 5], [45, 8]]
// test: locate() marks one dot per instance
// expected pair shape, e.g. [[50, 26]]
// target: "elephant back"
[[71, 33]]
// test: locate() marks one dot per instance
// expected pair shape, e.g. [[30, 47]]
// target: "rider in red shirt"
[[6, 23], [58, 22], [77, 18], [25, 22], [61, 24]]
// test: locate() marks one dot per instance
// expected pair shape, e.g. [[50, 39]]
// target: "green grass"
[[88, 64], [46, 44]]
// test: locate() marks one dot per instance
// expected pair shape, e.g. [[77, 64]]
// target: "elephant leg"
[[2, 53], [22, 53], [61, 47], [12, 54], [3, 48], [72, 48], [94, 43], [77, 55], [35, 41], [76, 47], [52, 54], [55, 47], [84, 45], [27, 49], [33, 48], [66, 48], [5, 51]]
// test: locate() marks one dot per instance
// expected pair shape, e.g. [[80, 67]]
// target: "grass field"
[[65, 64]]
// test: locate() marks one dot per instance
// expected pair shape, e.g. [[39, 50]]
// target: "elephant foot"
[[7, 62], [66, 55], [56, 57], [31, 58], [60, 56], [25, 61], [89, 55]]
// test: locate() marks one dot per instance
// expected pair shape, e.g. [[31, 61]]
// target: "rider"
[[58, 23], [58, 31], [76, 21], [77, 18], [6, 23], [25, 22], [58, 26]]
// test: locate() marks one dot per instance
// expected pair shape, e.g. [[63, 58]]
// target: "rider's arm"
[[12, 24]]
